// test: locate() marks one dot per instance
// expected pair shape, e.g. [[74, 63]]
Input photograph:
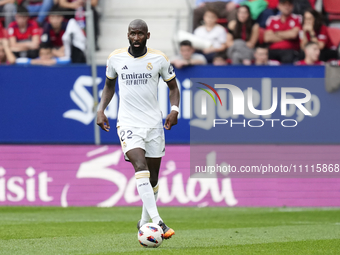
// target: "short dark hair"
[[45, 46], [286, 1], [140, 24], [185, 43], [213, 10], [262, 46], [56, 10], [22, 10]]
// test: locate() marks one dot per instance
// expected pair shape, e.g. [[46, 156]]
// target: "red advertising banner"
[[88, 175]]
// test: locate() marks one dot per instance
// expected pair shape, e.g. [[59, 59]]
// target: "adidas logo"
[[124, 68]]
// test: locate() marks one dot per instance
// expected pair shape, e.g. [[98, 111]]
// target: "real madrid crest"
[[171, 69], [149, 66]]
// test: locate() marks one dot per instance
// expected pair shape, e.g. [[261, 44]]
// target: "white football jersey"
[[138, 84]]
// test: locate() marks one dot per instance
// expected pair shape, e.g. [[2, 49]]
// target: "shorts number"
[[122, 133]]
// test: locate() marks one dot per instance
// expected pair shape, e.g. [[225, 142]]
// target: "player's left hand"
[[171, 120], [102, 121]]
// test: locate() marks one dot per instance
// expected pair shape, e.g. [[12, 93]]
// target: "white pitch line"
[[97, 151]]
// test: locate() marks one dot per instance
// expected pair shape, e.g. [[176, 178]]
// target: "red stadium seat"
[[334, 35], [332, 7]]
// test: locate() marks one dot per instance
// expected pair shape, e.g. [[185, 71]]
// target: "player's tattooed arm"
[[171, 119], [108, 92]]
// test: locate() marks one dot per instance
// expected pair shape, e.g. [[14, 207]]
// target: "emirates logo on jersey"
[[149, 66], [136, 78]]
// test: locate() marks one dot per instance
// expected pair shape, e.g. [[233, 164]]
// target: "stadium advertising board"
[[88, 175], [54, 105]]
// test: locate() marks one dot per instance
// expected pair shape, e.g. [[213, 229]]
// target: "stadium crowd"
[[248, 32], [44, 32], [259, 32]]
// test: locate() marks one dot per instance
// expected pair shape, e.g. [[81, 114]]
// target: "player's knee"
[[140, 166]]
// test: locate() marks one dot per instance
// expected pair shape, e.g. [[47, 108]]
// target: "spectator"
[[314, 31], [219, 61], [24, 35], [74, 42], [261, 57], [214, 33], [54, 30], [259, 11], [39, 8], [270, 11], [66, 38], [187, 56], [45, 58], [282, 32], [7, 7], [299, 6], [312, 53], [79, 7], [242, 37], [6, 55], [225, 9]]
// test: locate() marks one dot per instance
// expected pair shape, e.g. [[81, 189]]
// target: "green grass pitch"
[[53, 230]]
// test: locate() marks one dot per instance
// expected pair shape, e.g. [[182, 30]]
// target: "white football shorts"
[[151, 140]]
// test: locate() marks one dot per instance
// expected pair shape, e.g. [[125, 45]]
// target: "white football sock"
[[145, 215], [146, 194]]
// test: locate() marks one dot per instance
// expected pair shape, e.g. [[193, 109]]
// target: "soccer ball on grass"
[[150, 235]]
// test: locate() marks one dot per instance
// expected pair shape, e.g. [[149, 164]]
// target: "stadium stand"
[[115, 15], [332, 8], [79, 8], [162, 22], [225, 9]]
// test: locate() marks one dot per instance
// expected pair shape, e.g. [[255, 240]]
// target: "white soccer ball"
[[150, 235]]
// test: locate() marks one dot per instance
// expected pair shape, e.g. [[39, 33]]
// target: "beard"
[[137, 51]]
